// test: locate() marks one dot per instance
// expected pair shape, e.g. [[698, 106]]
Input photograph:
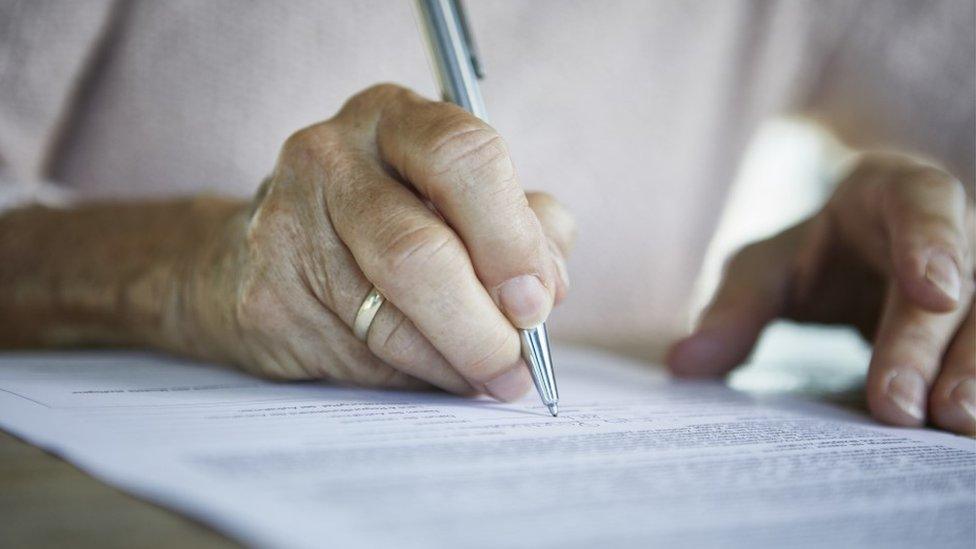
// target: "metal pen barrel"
[[456, 65]]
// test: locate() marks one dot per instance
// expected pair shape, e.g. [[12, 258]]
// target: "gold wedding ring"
[[366, 314]]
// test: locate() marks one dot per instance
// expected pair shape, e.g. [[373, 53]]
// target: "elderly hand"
[[347, 208], [891, 254]]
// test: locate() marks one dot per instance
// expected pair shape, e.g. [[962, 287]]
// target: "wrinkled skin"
[[348, 207]]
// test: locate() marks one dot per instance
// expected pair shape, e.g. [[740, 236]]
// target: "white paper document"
[[633, 460]]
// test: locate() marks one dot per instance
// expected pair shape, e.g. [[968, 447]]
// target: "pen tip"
[[553, 409]]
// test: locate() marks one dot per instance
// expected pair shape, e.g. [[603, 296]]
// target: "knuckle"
[[894, 172], [921, 339], [379, 92], [299, 140], [938, 185], [257, 309], [304, 139], [471, 148], [271, 224], [399, 341], [934, 229], [490, 356], [367, 104], [910, 179], [933, 178], [411, 250], [309, 146]]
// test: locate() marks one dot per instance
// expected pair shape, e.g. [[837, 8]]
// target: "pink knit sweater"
[[634, 113]]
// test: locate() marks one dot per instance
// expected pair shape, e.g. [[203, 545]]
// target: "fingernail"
[[965, 397], [907, 390], [510, 385], [525, 300], [944, 273]]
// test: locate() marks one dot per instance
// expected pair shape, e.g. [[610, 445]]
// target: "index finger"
[[463, 167]]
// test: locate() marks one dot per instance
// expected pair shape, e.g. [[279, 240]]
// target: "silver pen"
[[458, 70]]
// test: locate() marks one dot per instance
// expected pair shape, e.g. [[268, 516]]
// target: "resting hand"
[[891, 254], [346, 209]]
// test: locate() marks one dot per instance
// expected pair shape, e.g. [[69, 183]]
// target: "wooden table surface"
[[47, 502]]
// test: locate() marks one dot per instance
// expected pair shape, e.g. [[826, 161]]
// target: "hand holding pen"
[[458, 69], [284, 285]]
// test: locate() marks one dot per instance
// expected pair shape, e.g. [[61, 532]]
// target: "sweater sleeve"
[[901, 76]]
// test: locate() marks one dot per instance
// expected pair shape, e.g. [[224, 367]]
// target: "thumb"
[[752, 293]]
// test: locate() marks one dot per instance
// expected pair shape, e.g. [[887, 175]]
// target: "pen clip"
[[468, 39]]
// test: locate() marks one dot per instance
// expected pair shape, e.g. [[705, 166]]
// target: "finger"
[[392, 337], [396, 341], [423, 269], [751, 294], [290, 337], [339, 286], [925, 213], [560, 230], [908, 350], [952, 401], [463, 167], [339, 358]]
